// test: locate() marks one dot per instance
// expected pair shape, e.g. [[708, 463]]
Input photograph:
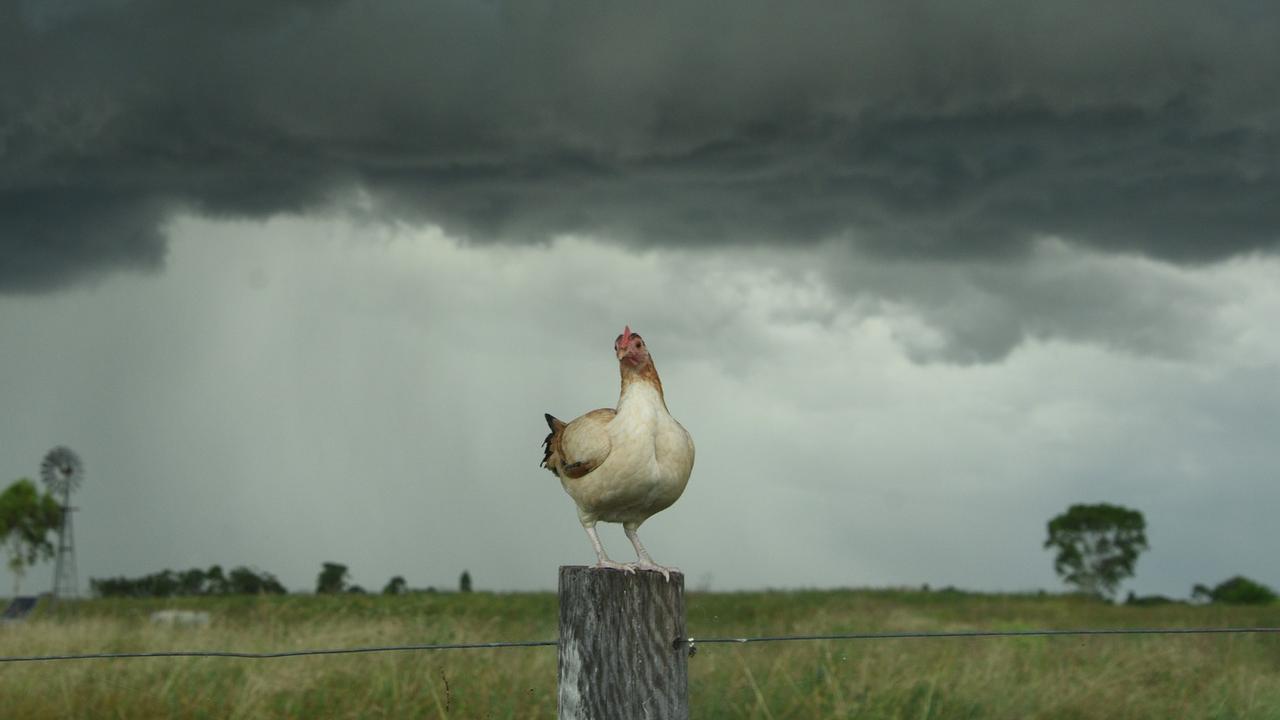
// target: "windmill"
[[62, 472]]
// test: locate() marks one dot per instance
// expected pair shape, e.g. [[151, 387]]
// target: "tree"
[[1098, 545], [26, 519], [395, 586], [464, 582], [244, 581], [169, 583], [215, 581], [332, 578], [192, 582], [161, 584], [1239, 590]]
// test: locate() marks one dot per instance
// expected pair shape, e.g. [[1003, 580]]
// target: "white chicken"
[[627, 464]]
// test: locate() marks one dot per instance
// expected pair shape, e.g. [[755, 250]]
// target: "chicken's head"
[[630, 348]]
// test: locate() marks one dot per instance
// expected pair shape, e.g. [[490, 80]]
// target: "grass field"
[[1099, 677]]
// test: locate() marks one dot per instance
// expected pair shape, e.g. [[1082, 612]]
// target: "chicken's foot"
[[602, 560], [645, 562]]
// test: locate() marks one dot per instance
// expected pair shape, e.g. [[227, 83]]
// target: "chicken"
[[627, 464]]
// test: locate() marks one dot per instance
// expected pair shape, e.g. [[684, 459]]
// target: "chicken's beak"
[[624, 342]]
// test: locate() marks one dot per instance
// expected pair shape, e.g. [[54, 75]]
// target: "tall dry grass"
[[1097, 677]]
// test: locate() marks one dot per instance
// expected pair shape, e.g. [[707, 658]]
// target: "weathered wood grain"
[[618, 658]]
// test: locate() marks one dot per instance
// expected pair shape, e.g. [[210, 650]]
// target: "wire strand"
[[679, 642], [691, 642], [283, 654], [994, 633]]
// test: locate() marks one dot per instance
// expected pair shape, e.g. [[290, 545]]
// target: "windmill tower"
[[62, 473]]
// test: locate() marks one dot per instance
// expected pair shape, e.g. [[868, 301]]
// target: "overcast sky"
[[298, 279]]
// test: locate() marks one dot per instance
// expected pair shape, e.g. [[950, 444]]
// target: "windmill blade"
[[61, 470]]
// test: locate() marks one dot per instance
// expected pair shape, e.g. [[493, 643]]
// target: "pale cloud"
[[975, 312], [316, 389]]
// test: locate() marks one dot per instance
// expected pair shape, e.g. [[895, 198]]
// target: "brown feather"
[[551, 458], [575, 470]]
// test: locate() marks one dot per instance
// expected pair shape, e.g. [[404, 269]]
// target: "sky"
[[297, 281]]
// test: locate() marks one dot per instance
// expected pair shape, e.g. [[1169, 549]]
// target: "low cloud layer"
[[977, 312], [925, 130], [303, 391]]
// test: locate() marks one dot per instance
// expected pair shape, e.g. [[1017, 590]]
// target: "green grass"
[[1096, 677]]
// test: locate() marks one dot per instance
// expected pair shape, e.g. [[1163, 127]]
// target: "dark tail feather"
[[551, 458]]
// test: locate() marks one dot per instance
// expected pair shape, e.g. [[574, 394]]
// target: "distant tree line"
[[170, 583], [333, 579]]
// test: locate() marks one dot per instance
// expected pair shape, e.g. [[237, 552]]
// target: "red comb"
[[626, 333]]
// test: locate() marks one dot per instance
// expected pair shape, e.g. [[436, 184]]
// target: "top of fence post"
[[619, 655]]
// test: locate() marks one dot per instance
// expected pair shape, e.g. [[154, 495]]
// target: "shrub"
[[1238, 590]]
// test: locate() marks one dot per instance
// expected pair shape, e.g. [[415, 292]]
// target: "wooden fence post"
[[619, 658]]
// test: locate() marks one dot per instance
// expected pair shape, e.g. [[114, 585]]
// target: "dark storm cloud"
[[933, 129]]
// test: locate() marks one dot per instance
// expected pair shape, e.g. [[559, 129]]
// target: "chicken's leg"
[[602, 560], [646, 562]]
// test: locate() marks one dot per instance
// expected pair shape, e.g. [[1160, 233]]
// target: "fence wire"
[[281, 654], [988, 634], [691, 643]]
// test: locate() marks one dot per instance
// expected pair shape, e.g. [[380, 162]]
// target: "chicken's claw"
[[646, 565], [611, 565]]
